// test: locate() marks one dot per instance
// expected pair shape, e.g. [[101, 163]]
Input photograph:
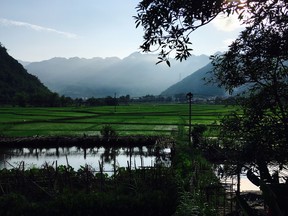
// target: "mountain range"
[[195, 83], [136, 75]]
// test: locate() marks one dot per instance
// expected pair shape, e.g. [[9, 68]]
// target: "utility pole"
[[115, 102], [189, 97]]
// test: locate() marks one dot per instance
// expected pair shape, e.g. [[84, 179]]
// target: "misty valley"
[[160, 132]]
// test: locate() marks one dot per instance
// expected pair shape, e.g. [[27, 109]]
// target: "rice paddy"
[[135, 119]]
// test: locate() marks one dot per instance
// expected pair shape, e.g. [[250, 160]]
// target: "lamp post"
[[189, 97], [115, 102]]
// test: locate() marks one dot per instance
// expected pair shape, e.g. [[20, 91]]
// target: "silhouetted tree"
[[110, 101], [124, 99], [257, 60], [168, 24]]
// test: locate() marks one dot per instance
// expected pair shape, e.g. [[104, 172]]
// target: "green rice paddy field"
[[143, 119]]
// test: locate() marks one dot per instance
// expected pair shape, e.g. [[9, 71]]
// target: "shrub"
[[107, 131]]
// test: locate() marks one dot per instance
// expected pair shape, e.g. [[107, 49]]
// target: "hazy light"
[[228, 24]]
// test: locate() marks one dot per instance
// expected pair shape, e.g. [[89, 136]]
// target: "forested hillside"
[[18, 87]]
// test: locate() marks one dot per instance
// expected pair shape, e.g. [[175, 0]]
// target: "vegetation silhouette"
[[257, 59]]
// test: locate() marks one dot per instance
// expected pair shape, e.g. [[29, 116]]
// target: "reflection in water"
[[245, 183], [77, 157]]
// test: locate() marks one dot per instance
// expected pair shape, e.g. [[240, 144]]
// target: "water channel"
[[94, 157], [76, 157]]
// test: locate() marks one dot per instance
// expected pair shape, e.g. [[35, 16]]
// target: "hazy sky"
[[35, 30]]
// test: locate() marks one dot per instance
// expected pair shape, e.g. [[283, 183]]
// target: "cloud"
[[225, 44], [7, 22], [227, 24], [228, 42]]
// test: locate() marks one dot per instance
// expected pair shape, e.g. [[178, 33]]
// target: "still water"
[[77, 157], [93, 157]]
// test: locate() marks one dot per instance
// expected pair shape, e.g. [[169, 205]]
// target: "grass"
[[143, 119]]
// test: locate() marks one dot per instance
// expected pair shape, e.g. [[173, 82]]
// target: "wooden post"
[[189, 96]]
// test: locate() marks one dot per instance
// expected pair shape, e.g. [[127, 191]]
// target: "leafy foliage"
[[258, 60], [64, 191], [107, 131], [168, 24], [199, 189]]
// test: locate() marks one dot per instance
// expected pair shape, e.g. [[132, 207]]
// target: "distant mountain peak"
[[135, 54], [195, 83], [136, 75]]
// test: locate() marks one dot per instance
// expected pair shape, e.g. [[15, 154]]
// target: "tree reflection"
[[110, 154], [77, 156]]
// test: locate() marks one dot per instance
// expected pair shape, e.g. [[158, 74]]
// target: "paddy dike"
[[85, 141]]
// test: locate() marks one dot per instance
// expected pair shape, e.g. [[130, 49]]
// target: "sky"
[[36, 30]]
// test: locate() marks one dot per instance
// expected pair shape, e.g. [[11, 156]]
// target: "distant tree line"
[[152, 98], [54, 100], [122, 100], [22, 99]]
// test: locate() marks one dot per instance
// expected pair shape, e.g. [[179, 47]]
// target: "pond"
[[245, 183], [76, 157], [95, 157]]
